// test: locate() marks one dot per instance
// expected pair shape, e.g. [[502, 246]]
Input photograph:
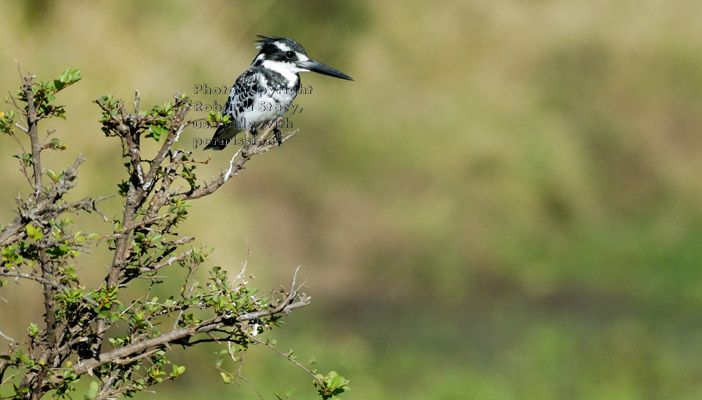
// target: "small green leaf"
[[92, 391], [177, 370], [64, 75], [34, 233], [76, 75], [53, 175], [156, 132], [335, 382], [33, 330]]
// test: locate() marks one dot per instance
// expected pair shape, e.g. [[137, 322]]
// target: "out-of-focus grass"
[[504, 204]]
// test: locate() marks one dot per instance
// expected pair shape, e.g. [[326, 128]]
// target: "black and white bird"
[[265, 91]]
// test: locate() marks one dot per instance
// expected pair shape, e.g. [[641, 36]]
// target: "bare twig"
[[241, 365], [9, 339], [171, 260], [136, 225], [285, 355]]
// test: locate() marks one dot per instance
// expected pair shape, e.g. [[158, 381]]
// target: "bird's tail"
[[222, 137]]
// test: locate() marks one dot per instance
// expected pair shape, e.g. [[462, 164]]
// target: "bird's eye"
[[290, 54]]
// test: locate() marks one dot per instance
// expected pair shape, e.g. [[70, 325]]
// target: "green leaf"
[[75, 75], [55, 144], [156, 132], [33, 330], [53, 175], [335, 382], [34, 233], [177, 370], [64, 75], [69, 76], [123, 188], [92, 391], [7, 123]]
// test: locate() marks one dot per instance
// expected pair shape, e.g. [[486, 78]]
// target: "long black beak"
[[323, 69]]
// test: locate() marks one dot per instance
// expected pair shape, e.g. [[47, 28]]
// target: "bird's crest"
[[265, 40]]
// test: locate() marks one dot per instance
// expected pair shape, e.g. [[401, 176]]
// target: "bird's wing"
[[241, 97], [243, 94]]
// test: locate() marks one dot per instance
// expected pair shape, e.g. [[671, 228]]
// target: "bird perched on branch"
[[265, 91]]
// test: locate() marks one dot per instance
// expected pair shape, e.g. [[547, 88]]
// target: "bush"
[[120, 341]]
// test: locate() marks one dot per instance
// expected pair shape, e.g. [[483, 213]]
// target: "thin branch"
[[43, 281], [137, 101], [241, 365], [285, 355], [242, 271], [138, 357], [282, 310], [106, 390], [8, 379], [32, 120], [47, 267], [229, 172], [190, 283], [170, 261], [135, 225], [170, 139], [88, 204], [9, 339]]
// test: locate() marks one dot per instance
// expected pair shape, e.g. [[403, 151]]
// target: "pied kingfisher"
[[265, 91]]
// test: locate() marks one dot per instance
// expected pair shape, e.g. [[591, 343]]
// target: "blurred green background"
[[505, 204]]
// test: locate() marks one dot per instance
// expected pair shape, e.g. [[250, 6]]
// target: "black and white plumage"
[[265, 91]]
